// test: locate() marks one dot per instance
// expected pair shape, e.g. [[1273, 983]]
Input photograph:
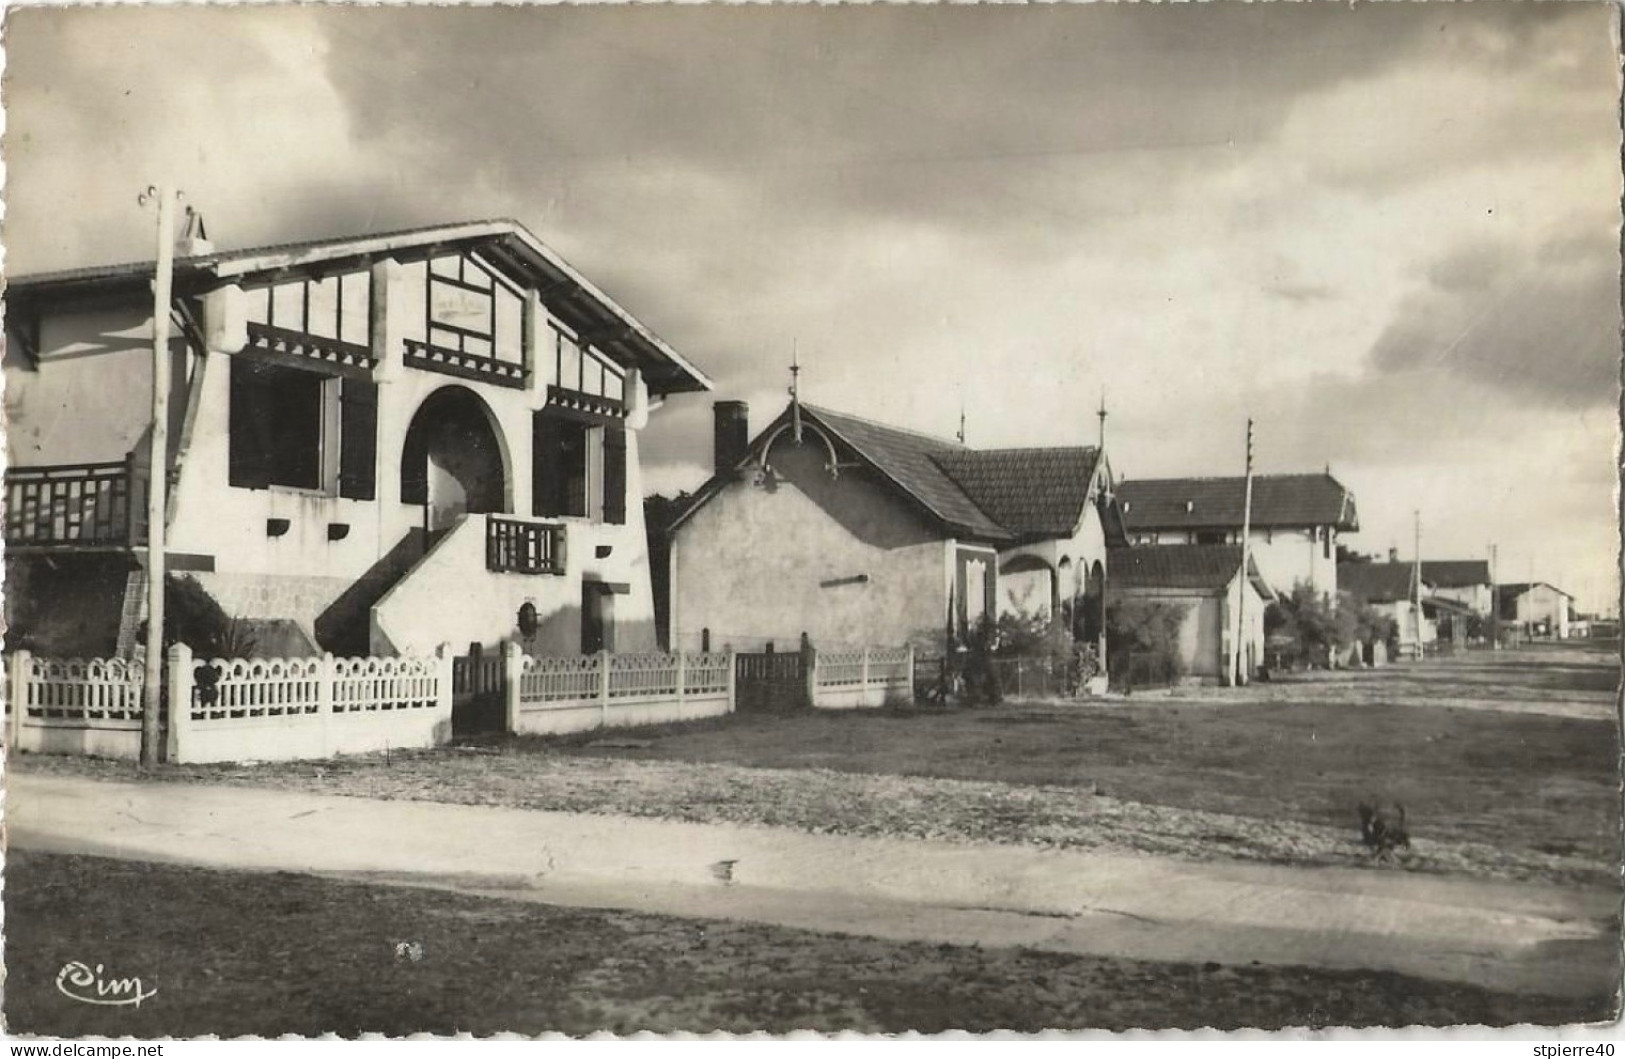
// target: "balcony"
[[76, 506], [514, 546]]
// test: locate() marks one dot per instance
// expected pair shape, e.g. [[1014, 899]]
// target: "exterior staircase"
[[344, 627]]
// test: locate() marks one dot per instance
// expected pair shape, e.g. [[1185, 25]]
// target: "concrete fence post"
[[682, 678], [733, 678], [603, 689], [22, 671], [178, 744], [325, 678], [908, 677], [513, 672], [809, 669], [443, 687]]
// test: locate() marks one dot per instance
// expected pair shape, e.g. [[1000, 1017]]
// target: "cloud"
[[1542, 322]]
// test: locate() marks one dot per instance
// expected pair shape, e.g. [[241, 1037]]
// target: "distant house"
[[1464, 581], [1390, 589], [1540, 610], [1296, 520], [853, 531], [378, 444], [1206, 580]]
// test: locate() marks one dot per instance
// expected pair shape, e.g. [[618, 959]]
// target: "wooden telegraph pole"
[[157, 474], [1416, 584], [1238, 669]]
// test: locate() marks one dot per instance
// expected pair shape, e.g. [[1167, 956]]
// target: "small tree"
[[1145, 630]]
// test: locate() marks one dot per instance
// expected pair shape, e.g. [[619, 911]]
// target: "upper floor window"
[[578, 468], [300, 429]]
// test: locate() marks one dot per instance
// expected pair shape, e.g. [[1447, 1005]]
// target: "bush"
[[1146, 631], [192, 617]]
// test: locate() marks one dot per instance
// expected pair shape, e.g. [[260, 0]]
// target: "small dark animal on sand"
[[1382, 828]]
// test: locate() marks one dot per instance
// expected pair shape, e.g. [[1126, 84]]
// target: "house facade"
[[1296, 522], [1390, 589], [385, 443], [1464, 581], [1206, 581], [855, 532], [1541, 610]]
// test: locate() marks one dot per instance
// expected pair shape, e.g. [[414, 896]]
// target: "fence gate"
[[478, 682], [768, 681]]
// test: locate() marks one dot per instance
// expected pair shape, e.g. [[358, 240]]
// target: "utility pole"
[[1495, 604], [1416, 584], [1239, 667], [158, 475]]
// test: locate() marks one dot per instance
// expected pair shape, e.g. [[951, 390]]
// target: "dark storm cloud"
[[1543, 323], [951, 113]]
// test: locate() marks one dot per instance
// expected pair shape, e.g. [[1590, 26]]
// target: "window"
[[578, 468], [283, 423], [276, 416], [560, 466], [1211, 537]]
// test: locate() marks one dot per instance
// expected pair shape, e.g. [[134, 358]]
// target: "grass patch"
[[273, 953]]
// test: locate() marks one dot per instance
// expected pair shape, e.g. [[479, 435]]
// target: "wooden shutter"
[[615, 474], [358, 439]]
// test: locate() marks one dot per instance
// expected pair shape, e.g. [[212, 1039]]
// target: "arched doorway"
[[453, 460], [1091, 625]]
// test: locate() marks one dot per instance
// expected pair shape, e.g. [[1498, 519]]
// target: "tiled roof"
[[993, 495], [1279, 500], [1206, 567], [1512, 590], [1030, 492], [1376, 582], [906, 458], [1456, 573]]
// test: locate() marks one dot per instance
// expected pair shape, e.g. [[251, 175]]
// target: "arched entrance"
[[1091, 625], [453, 460]]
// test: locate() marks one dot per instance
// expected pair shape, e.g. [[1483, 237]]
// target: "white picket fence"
[[90, 706], [552, 696], [862, 677], [234, 709]]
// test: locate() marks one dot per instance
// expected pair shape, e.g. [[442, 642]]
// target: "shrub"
[[1146, 631]]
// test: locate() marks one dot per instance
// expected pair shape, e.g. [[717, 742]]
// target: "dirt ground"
[[1507, 764], [273, 953]]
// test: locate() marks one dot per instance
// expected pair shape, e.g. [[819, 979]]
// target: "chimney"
[[732, 434], [1393, 555]]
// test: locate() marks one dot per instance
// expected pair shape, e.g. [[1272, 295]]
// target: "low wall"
[[86, 706], [286, 709], [862, 679], [558, 696]]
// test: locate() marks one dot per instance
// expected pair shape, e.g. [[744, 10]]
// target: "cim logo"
[[77, 981]]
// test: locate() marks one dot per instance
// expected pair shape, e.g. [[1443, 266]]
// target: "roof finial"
[[795, 391], [1102, 415], [961, 434]]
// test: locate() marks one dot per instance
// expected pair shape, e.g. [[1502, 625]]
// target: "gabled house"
[[1206, 581], [1464, 581], [384, 443], [857, 532], [1296, 520], [1390, 589], [1539, 609]]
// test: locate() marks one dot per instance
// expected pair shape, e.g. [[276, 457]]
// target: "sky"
[[1387, 233]]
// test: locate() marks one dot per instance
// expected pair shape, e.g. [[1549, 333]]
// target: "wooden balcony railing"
[[518, 547], [78, 505]]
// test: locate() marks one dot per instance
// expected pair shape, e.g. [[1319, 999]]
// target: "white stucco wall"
[[1285, 557], [1543, 603], [754, 564], [90, 401]]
